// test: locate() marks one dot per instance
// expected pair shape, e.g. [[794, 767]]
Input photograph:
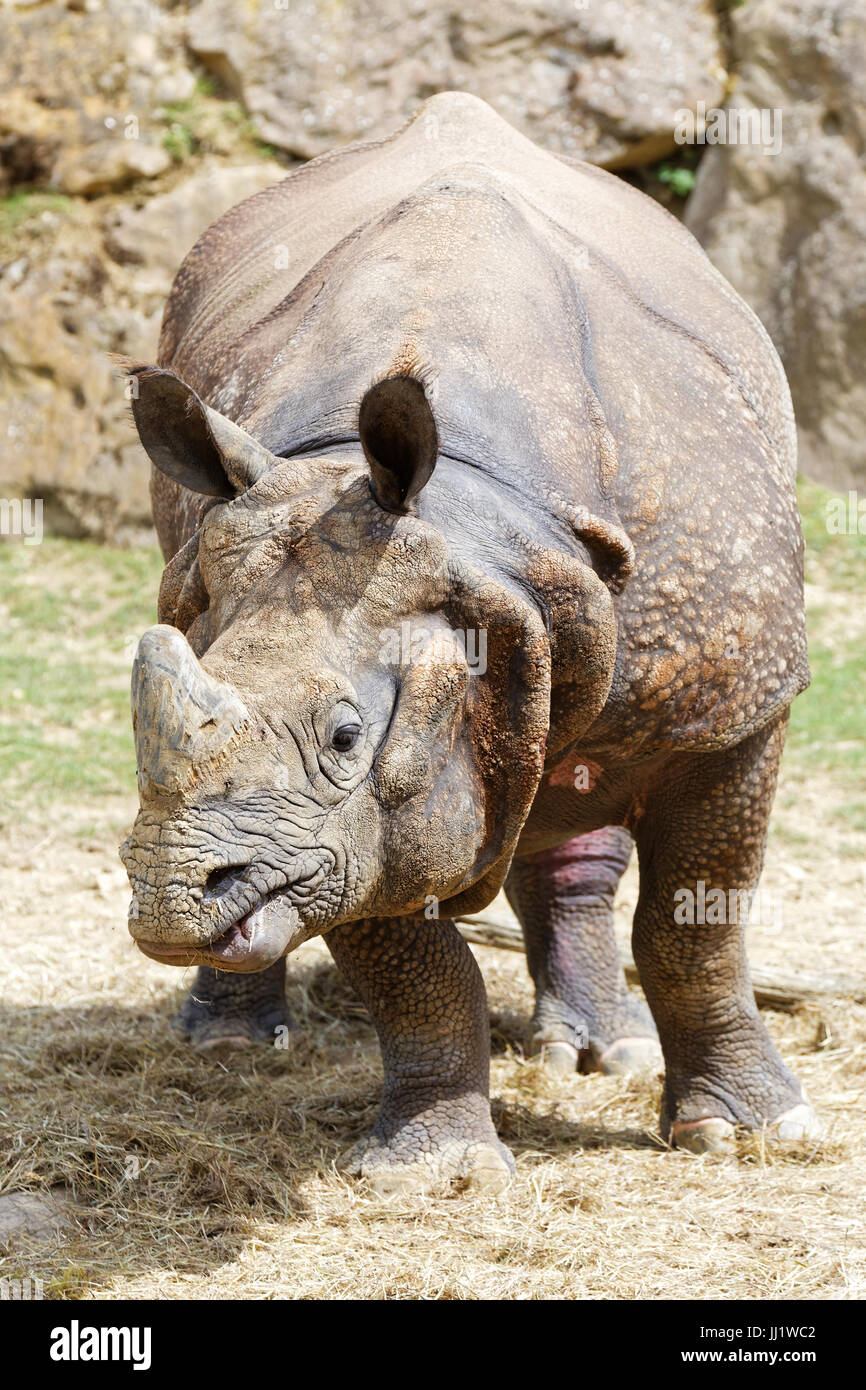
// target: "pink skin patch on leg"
[[577, 860]]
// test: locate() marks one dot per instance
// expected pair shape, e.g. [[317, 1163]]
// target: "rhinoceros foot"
[[622, 1040], [403, 1166], [714, 1135], [733, 1083], [224, 1010], [628, 1057], [624, 1057]]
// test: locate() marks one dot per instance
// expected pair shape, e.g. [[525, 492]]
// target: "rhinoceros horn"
[[182, 717]]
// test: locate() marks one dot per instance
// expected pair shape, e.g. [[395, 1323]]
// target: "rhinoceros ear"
[[188, 441], [399, 438], [506, 723], [478, 789]]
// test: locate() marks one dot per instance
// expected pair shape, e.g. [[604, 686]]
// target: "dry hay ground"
[[204, 1177]]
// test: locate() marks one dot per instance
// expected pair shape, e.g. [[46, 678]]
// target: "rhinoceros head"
[[351, 721]]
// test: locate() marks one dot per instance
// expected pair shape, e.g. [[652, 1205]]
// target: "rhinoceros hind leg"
[[425, 993], [701, 846], [586, 1018], [227, 1010]]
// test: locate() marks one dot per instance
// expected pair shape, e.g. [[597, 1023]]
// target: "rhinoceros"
[[475, 485]]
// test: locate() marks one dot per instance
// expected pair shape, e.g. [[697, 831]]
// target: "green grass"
[[834, 560], [681, 179], [71, 613], [179, 141], [827, 721], [21, 217], [208, 122], [831, 712]]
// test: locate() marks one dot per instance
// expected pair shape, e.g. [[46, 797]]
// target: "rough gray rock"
[[78, 83], [86, 291], [789, 230], [599, 80]]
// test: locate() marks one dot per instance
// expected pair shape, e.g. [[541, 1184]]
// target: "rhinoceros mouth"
[[256, 935], [252, 942]]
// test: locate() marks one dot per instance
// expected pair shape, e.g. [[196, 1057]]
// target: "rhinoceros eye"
[[345, 737]]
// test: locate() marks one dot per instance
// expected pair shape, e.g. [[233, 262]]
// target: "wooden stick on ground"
[[774, 989]]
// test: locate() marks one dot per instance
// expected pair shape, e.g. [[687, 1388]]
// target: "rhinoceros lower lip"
[[251, 943]]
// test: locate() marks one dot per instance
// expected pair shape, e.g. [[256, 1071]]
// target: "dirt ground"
[[194, 1176]]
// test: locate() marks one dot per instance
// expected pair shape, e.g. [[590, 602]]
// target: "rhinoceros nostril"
[[221, 881]]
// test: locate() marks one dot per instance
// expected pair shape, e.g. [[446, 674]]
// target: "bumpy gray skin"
[[441, 384], [223, 1010]]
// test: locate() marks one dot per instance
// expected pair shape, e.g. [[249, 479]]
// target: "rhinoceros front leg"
[[225, 1009], [425, 993], [700, 846], [585, 1015]]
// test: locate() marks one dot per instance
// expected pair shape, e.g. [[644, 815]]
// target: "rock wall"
[[788, 229], [127, 126], [114, 157], [599, 79]]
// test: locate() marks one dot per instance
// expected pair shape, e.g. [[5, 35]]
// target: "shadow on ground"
[[167, 1158]]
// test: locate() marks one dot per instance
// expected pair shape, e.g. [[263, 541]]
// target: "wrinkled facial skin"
[[297, 776]]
